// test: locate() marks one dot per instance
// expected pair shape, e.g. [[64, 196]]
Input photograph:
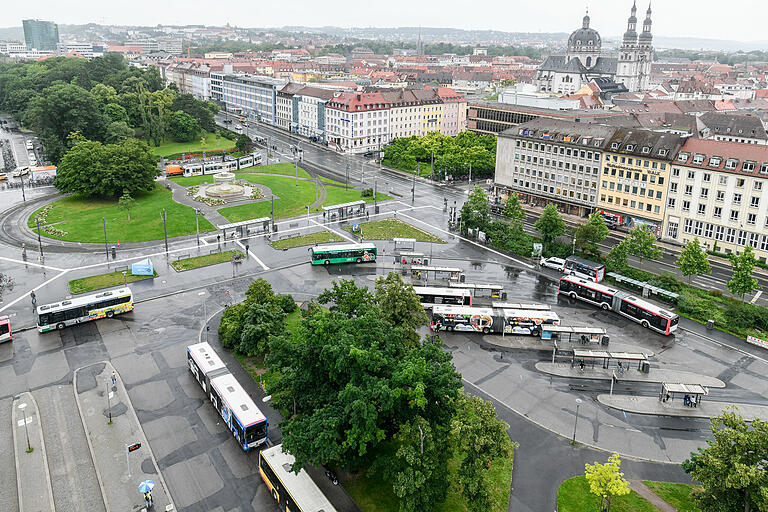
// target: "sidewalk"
[[32, 475], [119, 472], [705, 409], [515, 341], [657, 375]]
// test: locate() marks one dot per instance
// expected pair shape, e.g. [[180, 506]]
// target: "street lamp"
[[109, 401], [578, 403], [23, 406], [205, 315]]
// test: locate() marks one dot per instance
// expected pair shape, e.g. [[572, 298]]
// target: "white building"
[[254, 96], [357, 122]]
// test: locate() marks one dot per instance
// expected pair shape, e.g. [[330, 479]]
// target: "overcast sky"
[[742, 20]]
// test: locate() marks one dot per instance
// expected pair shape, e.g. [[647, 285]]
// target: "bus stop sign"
[[134, 447]]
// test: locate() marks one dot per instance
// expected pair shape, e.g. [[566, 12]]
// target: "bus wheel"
[[326, 262], [110, 314], [645, 324], [572, 295], [359, 260], [486, 330], [450, 328], [604, 306], [60, 325]]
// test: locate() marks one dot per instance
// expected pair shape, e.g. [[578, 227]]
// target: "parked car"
[[554, 263]]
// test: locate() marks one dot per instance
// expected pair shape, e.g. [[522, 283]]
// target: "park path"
[[654, 499], [179, 195]]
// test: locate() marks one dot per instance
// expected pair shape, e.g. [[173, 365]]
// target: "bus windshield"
[[256, 432]]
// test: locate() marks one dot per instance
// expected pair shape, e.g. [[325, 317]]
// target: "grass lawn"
[[292, 320], [339, 195], [188, 181], [205, 260], [312, 238], [677, 495], [285, 168], [387, 229], [97, 282], [373, 493], [290, 202], [573, 496], [81, 218], [213, 142], [330, 181]]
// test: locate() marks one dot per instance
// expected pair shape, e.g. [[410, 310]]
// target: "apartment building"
[[285, 111], [309, 106], [190, 78], [454, 111], [635, 175], [357, 122], [552, 161], [716, 194], [254, 96]]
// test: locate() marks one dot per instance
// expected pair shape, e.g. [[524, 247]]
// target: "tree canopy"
[[606, 480], [743, 265], [693, 260], [551, 224], [476, 212], [589, 235], [452, 155], [641, 242]]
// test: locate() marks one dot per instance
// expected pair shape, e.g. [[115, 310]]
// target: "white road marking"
[[328, 228], [30, 263], [757, 296], [253, 256], [26, 295]]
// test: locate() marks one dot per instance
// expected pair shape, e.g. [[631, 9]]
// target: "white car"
[[555, 263]]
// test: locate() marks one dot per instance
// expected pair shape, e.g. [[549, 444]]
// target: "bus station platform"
[[656, 375], [651, 405]]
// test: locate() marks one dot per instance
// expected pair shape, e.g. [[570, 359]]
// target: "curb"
[[42, 450]]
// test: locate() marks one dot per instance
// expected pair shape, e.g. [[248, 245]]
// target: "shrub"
[[286, 303], [231, 326], [700, 308], [557, 249], [367, 192]]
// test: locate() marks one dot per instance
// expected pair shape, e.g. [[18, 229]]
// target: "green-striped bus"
[[343, 253]]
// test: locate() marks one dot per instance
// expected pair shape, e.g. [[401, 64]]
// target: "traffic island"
[[108, 280], [121, 454], [656, 375], [32, 474], [651, 405], [215, 257]]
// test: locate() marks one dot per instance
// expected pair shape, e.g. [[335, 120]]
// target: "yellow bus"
[[293, 493]]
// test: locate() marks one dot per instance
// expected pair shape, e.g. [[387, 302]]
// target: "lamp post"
[[165, 231], [23, 406], [109, 401], [106, 249], [205, 315], [197, 225], [39, 242], [576, 422]]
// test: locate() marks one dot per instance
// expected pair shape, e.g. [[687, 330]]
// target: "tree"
[[242, 143], [743, 265], [618, 257], [118, 131], [231, 325], [482, 437], [6, 284], [126, 202], [116, 113], [400, 305], [589, 235], [476, 213], [606, 481], [551, 224], [182, 127], [693, 260], [347, 298], [641, 243], [259, 292], [732, 467], [261, 323], [513, 209]]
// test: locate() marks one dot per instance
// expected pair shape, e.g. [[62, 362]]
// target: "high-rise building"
[[41, 35]]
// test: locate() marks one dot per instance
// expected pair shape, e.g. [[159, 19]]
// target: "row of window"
[[549, 148], [720, 233], [560, 164], [632, 189], [736, 198], [717, 211], [559, 178], [722, 179], [639, 162], [548, 189], [631, 203], [730, 163], [639, 177]]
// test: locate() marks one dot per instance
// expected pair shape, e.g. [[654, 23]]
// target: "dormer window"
[[764, 168], [714, 161], [698, 158], [748, 166], [729, 163], [646, 150], [614, 145], [662, 152], [630, 147], [683, 157]]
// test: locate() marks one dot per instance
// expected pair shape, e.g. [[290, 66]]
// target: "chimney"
[[359, 97]]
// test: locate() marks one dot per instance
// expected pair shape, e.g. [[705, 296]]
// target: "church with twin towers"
[[584, 59]]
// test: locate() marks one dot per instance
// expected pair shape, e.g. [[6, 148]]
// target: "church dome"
[[585, 38]]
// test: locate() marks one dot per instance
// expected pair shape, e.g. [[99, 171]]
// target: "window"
[[683, 157], [730, 163], [734, 215], [673, 188], [675, 172], [736, 198], [751, 218], [754, 202], [688, 226], [764, 168], [671, 202], [630, 147], [702, 210], [646, 150], [748, 166], [757, 185], [739, 182], [723, 180], [706, 178], [704, 193], [662, 152], [672, 229], [688, 190], [691, 175], [717, 212], [686, 206], [698, 158]]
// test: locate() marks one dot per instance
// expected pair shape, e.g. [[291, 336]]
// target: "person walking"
[[114, 378]]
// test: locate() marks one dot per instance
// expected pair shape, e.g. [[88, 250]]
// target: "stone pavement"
[[32, 475], [705, 409], [654, 499], [119, 472], [656, 374], [513, 341]]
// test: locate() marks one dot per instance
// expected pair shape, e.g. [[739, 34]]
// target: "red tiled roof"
[[358, 102], [724, 150]]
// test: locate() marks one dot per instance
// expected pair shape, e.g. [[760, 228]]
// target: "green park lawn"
[[387, 229], [108, 280], [205, 260], [320, 237], [188, 181], [213, 142], [574, 496], [285, 168], [290, 201], [677, 495], [338, 195], [81, 218]]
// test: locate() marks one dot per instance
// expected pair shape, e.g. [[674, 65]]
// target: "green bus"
[[343, 253]]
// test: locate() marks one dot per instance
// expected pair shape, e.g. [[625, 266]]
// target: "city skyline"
[[607, 17]]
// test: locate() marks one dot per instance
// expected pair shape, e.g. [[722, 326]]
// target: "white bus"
[[636, 309], [528, 321], [82, 309], [294, 493], [432, 295], [205, 364], [246, 421]]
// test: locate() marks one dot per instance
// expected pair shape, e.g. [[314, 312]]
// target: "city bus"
[[636, 309], [522, 321], [293, 492], [246, 421], [82, 309], [431, 296], [343, 253], [462, 318], [205, 364], [587, 269], [5, 329]]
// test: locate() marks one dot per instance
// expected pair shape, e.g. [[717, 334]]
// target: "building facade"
[[309, 105], [357, 122], [254, 96], [635, 175], [285, 110], [716, 195], [41, 35], [190, 78], [550, 161]]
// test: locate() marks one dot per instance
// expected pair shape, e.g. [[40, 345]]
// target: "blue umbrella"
[[146, 486]]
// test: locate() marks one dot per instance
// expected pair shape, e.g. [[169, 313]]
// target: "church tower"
[[645, 52], [627, 69]]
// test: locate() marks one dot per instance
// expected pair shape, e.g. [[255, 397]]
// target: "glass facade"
[[41, 35]]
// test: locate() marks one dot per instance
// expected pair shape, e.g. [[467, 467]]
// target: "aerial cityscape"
[[440, 258]]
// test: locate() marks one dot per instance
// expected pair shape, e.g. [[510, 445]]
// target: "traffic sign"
[[134, 447]]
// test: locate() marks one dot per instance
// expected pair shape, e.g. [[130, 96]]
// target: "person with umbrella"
[[146, 488]]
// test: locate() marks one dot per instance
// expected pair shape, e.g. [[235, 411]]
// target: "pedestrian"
[[620, 367], [686, 399], [395, 213], [693, 401], [114, 378], [366, 215], [581, 365]]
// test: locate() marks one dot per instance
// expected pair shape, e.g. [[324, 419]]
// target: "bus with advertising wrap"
[[587, 269], [343, 253], [293, 492], [636, 309], [83, 309], [5, 329], [244, 419], [491, 320]]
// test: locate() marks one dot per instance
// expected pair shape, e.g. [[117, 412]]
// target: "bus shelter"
[[493, 291], [405, 243], [521, 305], [691, 393], [425, 272], [582, 334], [582, 356], [627, 358], [344, 210], [245, 227], [411, 258]]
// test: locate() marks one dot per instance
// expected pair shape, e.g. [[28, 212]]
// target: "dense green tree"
[[550, 225], [104, 94], [118, 131], [347, 298], [732, 467], [476, 212], [400, 305], [743, 265], [693, 260], [231, 325], [116, 113], [618, 257], [182, 127], [589, 235], [259, 292], [513, 209], [201, 111], [606, 480], [262, 321], [243, 143], [642, 243]]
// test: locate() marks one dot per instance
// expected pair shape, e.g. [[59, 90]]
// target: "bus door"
[[5, 329]]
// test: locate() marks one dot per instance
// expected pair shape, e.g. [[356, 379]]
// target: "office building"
[[41, 35]]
